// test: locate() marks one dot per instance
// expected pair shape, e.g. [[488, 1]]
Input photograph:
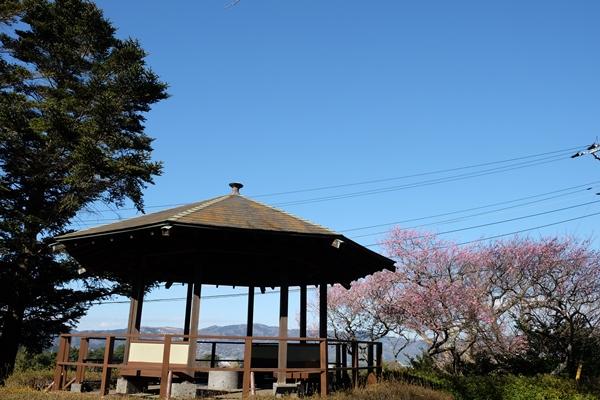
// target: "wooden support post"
[[344, 355], [370, 358], [194, 321], [213, 354], [344, 371], [355, 364], [250, 315], [188, 310], [283, 333], [164, 373], [108, 354], [303, 311], [60, 372], [135, 308], [246, 381], [323, 366], [338, 363], [379, 358], [84, 345], [323, 310], [134, 322]]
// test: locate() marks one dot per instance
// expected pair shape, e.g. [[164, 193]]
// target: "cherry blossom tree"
[[533, 300], [489, 299], [441, 294], [559, 293], [361, 313]]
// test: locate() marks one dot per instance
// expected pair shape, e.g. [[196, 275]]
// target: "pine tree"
[[72, 103]]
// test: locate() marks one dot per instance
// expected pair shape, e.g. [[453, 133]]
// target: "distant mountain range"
[[235, 351]]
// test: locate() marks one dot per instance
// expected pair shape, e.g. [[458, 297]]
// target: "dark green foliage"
[[72, 104], [98, 354], [556, 340], [497, 387], [34, 361]]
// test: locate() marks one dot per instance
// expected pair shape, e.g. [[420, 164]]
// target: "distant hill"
[[234, 351]]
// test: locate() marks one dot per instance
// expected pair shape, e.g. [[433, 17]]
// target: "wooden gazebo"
[[228, 240]]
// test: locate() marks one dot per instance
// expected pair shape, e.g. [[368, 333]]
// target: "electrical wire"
[[513, 232], [552, 158], [230, 295], [414, 175], [210, 297], [430, 182], [586, 187], [483, 213]]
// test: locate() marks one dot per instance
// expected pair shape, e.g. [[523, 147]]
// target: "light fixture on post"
[[337, 243], [57, 247]]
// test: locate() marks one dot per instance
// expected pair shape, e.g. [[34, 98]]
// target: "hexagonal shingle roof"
[[229, 211]]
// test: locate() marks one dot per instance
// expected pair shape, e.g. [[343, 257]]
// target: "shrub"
[[497, 386], [26, 360], [544, 387], [512, 387], [31, 378]]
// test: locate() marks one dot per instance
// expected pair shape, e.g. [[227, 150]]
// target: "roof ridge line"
[[198, 207], [291, 215]]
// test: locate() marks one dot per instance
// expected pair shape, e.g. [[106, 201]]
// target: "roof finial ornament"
[[235, 187]]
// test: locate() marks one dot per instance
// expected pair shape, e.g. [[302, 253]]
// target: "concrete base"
[[219, 380], [286, 389], [76, 388], [184, 390], [129, 386]]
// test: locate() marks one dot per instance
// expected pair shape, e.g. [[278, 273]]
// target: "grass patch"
[[498, 386], [382, 391], [21, 393], [400, 384], [392, 391], [37, 379]]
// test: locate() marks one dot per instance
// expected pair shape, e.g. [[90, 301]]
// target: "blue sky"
[[287, 95]]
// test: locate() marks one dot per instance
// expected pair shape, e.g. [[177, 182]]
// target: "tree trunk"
[[9, 341]]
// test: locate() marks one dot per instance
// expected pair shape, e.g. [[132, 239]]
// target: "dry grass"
[[393, 391], [19, 393], [382, 391]]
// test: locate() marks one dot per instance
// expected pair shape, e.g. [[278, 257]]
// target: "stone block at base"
[[286, 389], [223, 380], [184, 390], [76, 388], [129, 386]]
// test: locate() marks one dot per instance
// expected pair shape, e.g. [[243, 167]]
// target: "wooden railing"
[[338, 369]]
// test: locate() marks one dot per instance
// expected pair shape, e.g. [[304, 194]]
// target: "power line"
[[530, 229], [514, 232], [171, 299], [430, 182], [555, 154], [414, 175], [488, 212], [211, 297], [513, 219], [586, 186]]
